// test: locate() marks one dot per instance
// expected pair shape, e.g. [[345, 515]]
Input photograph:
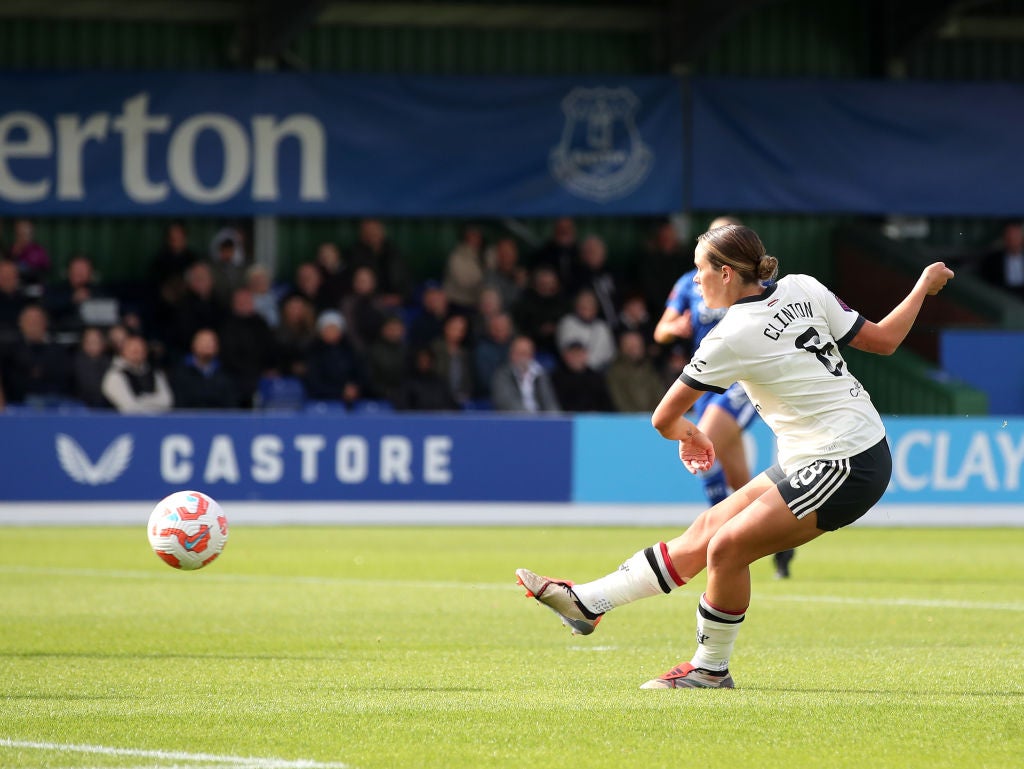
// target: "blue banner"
[[436, 458], [865, 147], [935, 461], [318, 144], [956, 461], [624, 459], [301, 458], [990, 360]]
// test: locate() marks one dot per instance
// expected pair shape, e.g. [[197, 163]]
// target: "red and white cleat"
[[558, 596], [686, 676]]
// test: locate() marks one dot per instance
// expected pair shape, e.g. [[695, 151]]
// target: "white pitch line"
[[164, 574], [170, 755], [924, 603]]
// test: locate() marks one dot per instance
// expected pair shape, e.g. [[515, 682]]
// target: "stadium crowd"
[[553, 328], [556, 330]]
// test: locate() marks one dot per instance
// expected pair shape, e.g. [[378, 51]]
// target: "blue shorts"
[[734, 400]]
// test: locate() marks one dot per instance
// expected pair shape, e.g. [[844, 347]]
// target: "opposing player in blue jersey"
[[722, 417]]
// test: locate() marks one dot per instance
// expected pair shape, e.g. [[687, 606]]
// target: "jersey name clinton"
[[785, 316]]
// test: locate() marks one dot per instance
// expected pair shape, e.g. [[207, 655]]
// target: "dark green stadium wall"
[[791, 38]]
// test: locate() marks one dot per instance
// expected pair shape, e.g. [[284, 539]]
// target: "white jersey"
[[783, 348]]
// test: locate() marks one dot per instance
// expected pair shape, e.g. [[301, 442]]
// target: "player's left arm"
[[885, 337]]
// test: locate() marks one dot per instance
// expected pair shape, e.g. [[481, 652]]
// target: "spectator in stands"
[[491, 351], [560, 251], [132, 385], [200, 381], [577, 385], [464, 271], [260, 285], [592, 273], [12, 300], [424, 389], [36, 369], [584, 326], [246, 346], [522, 384], [374, 249], [199, 308], [116, 336], [539, 309], [504, 272], [66, 300], [167, 271], [295, 335], [453, 361], [633, 383], [334, 371], [660, 264], [1004, 267], [363, 309], [429, 324], [309, 284], [237, 238], [228, 267], [32, 259], [89, 368], [332, 273], [387, 358], [487, 306], [634, 317]]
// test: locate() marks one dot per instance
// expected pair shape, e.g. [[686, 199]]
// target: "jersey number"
[[810, 341]]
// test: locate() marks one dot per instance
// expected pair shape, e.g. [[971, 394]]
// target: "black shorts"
[[841, 490]]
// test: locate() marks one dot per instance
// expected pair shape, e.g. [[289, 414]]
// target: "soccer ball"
[[187, 530]]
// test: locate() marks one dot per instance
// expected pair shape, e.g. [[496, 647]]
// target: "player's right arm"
[[884, 337], [695, 449], [673, 325], [675, 322]]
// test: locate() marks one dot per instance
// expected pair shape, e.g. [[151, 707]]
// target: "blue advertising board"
[[339, 145], [862, 146], [990, 359], [937, 460], [294, 457], [455, 458], [624, 459], [318, 144]]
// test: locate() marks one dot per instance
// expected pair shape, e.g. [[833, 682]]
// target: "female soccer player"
[[722, 416], [781, 343]]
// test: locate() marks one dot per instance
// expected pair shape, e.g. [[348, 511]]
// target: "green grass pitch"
[[374, 648]]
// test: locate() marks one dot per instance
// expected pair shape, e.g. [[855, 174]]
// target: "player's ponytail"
[[741, 249], [767, 268]]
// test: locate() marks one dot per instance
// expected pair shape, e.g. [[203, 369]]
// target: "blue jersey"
[[685, 296]]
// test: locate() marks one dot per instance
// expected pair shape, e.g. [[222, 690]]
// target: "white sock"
[[716, 635], [646, 573]]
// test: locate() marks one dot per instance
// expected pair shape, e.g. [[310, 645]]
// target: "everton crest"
[[601, 156]]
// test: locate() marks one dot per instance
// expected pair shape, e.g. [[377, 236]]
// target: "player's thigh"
[[720, 426], [695, 539], [764, 527]]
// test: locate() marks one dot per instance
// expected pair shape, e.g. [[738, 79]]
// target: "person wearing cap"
[[334, 371]]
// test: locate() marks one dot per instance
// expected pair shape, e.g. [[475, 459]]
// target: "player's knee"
[[726, 550]]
